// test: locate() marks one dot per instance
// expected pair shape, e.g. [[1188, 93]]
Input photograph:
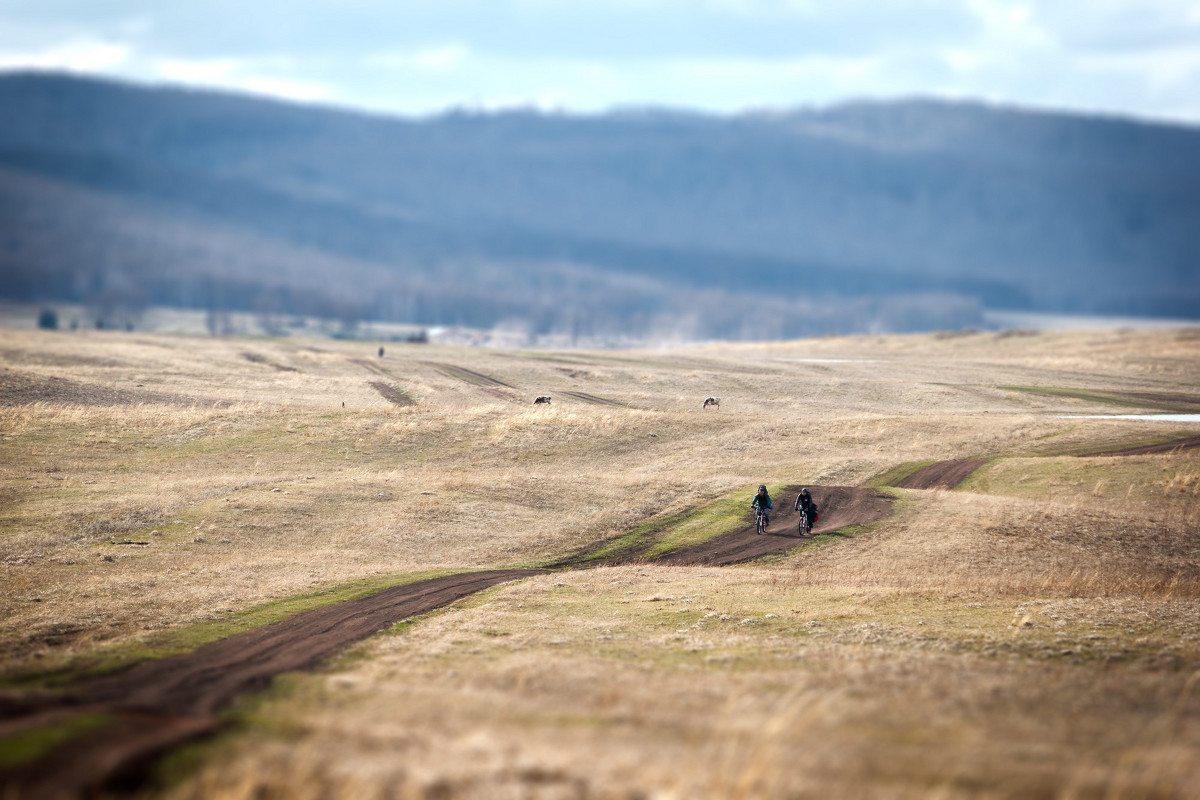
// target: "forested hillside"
[[885, 216]]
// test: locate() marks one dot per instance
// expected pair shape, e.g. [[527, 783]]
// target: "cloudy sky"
[[419, 56]]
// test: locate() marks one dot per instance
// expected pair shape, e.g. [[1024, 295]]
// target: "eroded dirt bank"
[[159, 704]]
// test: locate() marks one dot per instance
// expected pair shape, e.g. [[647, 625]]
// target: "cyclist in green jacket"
[[763, 500]]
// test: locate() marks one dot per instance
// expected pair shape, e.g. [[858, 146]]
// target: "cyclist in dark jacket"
[[763, 500], [804, 501]]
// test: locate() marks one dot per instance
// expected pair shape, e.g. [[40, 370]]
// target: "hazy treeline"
[[890, 216]]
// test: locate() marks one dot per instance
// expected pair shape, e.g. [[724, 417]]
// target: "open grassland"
[[1034, 633]]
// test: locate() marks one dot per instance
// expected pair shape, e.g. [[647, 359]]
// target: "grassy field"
[[1035, 633]]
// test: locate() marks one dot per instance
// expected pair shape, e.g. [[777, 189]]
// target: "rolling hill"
[[642, 223]]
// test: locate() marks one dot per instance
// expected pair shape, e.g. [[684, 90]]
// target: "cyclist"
[[804, 501], [763, 500]]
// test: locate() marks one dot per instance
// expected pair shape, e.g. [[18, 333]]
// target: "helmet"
[[762, 488], [804, 491]]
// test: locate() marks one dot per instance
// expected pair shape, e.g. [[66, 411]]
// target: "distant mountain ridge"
[[869, 216]]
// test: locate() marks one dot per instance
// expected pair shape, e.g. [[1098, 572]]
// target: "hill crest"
[[866, 216]]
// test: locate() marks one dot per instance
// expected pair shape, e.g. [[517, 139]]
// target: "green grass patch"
[[708, 522], [664, 534], [624, 545], [27, 747]]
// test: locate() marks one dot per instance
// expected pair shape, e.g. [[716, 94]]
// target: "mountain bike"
[[805, 522], [760, 519]]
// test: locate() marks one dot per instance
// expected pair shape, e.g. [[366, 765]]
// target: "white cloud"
[[1111, 26], [243, 75], [412, 56], [1011, 24], [207, 71], [298, 90], [435, 59], [83, 54], [1165, 71], [446, 57]]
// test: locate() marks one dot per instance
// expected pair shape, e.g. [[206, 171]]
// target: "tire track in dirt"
[[593, 399], [941, 475], [19, 388], [1190, 443], [392, 394], [370, 366], [259, 358], [387, 391], [159, 704], [468, 376]]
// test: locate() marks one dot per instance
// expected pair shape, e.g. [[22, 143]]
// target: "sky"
[[416, 57]]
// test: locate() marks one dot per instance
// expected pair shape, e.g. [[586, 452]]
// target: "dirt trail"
[[468, 375], [25, 388], [159, 704], [942, 475], [591, 398], [1166, 447], [840, 506], [951, 474], [162, 703]]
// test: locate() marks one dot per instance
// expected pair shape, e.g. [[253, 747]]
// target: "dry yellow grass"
[[1031, 634]]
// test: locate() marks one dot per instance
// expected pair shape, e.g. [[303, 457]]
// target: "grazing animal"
[[715, 402], [542, 398]]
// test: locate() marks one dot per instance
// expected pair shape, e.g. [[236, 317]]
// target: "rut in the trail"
[[159, 704]]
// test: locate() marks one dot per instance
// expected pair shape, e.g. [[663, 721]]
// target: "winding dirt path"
[[841, 506], [942, 475], [159, 704]]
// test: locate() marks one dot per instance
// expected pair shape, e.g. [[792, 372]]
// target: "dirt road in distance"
[[941, 475], [1190, 443]]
